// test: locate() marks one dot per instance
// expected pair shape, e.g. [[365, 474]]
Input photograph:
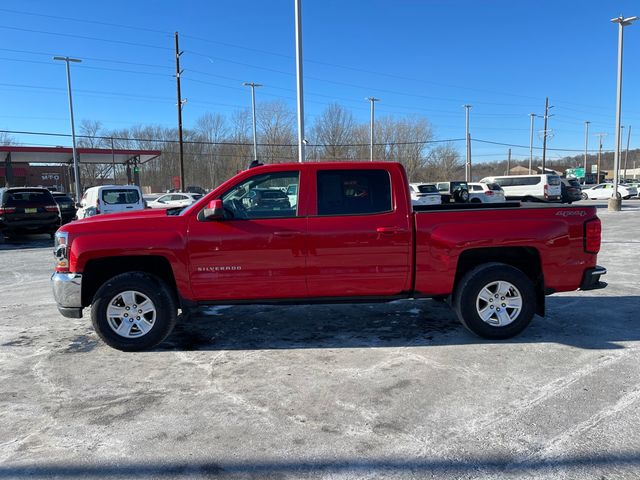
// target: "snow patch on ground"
[[215, 311]]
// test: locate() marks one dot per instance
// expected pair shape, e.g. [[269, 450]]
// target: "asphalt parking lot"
[[399, 390]]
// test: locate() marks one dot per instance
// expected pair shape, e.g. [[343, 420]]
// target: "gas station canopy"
[[44, 155]]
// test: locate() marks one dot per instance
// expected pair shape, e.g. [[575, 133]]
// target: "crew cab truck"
[[351, 235]]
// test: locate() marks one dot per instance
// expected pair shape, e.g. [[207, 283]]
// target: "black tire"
[[465, 300], [148, 285], [461, 196], [475, 200]]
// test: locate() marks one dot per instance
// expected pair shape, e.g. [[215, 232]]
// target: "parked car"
[[172, 200], [28, 210], [486, 193], [67, 206], [110, 199], [267, 199], [570, 190], [355, 238], [292, 194], [633, 183], [453, 191], [424, 194], [546, 187], [605, 190]]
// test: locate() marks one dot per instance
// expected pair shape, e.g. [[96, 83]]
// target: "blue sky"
[[425, 58]]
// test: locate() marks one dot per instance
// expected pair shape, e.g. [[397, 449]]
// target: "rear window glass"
[[353, 192], [494, 186], [427, 189], [196, 196], [554, 180], [17, 198], [120, 196]]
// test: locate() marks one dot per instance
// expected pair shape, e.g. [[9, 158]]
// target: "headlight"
[[61, 251]]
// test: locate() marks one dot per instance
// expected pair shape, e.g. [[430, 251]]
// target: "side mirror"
[[214, 210]]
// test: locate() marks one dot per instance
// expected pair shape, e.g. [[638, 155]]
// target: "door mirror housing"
[[214, 210]]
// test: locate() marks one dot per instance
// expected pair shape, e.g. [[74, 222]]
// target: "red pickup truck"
[[328, 232]]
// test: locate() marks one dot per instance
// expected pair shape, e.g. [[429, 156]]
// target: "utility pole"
[[300, 94], [373, 101], [180, 103], [586, 148], [532, 115], [615, 202], [626, 153], [600, 137], [544, 134], [113, 161], [509, 163], [253, 114], [76, 166], [467, 166]]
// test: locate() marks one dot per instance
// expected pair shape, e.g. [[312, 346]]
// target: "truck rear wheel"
[[133, 311], [495, 301]]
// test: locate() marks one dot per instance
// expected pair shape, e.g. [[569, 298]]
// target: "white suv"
[[110, 199], [486, 193], [424, 194], [545, 187]]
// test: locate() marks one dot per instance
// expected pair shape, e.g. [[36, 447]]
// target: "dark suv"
[[453, 191], [28, 210], [570, 190], [67, 206]]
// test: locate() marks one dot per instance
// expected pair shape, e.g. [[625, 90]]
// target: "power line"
[[200, 142]]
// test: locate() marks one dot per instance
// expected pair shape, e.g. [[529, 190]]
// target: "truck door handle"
[[286, 234], [388, 230]]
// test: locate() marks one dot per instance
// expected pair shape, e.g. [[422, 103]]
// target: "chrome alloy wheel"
[[499, 303], [131, 314]]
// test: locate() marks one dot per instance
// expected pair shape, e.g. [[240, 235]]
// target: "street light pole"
[[300, 94], [615, 202], [253, 114], [467, 166], [373, 101], [532, 115], [586, 146], [626, 153], [76, 167]]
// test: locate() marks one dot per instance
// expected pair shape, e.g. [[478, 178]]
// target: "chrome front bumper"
[[67, 291]]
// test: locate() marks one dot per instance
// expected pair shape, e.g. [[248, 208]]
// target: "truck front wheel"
[[495, 301], [133, 311]]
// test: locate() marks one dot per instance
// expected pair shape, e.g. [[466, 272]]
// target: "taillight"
[[488, 192], [4, 210], [51, 208], [97, 207], [592, 233], [546, 191]]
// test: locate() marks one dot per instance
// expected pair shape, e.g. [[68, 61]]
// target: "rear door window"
[[353, 192], [120, 196], [554, 180]]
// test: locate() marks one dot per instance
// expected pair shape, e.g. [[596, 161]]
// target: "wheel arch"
[[98, 271], [526, 259]]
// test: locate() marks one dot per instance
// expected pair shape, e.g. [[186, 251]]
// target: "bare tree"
[[444, 163], [334, 129], [276, 122]]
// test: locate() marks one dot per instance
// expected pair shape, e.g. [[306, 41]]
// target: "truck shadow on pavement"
[[579, 321], [581, 466]]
